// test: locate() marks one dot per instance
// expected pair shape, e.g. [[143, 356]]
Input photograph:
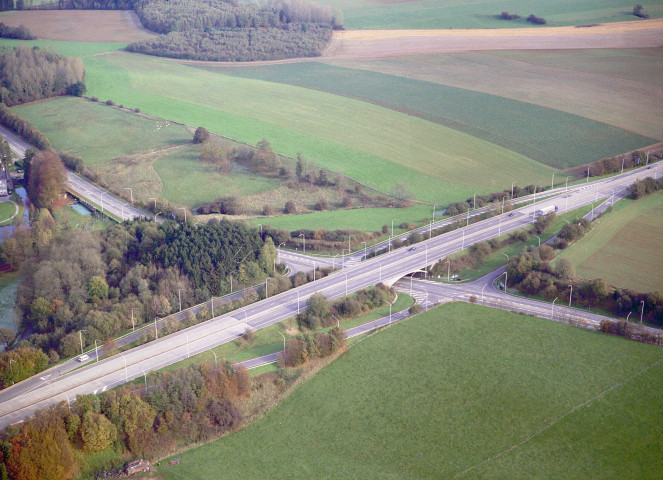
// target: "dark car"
[[411, 248]]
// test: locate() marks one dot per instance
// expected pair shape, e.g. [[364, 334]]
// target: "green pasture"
[[625, 246], [69, 49], [460, 391], [7, 209], [549, 136], [98, 133], [187, 181], [372, 144], [622, 83], [363, 219], [386, 14]]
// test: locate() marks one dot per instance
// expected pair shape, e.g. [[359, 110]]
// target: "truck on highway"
[[548, 209]]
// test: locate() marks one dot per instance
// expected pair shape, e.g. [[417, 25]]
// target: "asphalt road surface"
[[99, 376]]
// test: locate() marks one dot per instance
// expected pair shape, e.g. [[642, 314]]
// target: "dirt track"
[[388, 43]]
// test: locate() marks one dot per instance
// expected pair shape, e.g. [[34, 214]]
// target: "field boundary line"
[[557, 420]]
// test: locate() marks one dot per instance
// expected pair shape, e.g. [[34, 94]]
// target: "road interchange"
[[387, 268]]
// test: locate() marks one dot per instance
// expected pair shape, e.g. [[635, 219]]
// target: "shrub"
[[509, 16], [536, 20], [290, 207], [638, 11], [201, 135], [414, 309], [110, 102]]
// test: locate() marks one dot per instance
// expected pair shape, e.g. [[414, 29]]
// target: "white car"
[[83, 358]]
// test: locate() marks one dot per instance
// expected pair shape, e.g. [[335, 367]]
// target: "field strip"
[[601, 29], [558, 419]]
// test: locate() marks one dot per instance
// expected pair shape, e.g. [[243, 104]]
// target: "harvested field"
[[625, 84], [387, 43], [79, 25], [625, 247]]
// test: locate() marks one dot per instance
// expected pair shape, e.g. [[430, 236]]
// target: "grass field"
[[7, 209], [357, 137], [97, 132], [625, 247], [622, 82], [69, 49], [366, 219], [546, 135], [389, 14], [460, 392]]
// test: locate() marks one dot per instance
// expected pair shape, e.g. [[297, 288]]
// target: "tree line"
[[29, 74], [176, 409], [19, 33]]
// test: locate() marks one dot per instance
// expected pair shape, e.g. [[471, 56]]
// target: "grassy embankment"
[[7, 210], [369, 14], [490, 394], [497, 258], [625, 247]]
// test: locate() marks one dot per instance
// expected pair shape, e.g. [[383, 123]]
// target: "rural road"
[[388, 268]]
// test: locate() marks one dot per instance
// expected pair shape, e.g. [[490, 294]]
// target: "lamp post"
[[426, 264], [499, 229], [587, 175], [131, 193], [126, 375], [304, 240], [145, 377], [643, 310], [187, 345], [96, 351], [283, 343], [390, 305], [506, 280], [156, 330], [507, 257], [349, 246], [101, 200], [482, 293], [155, 201], [68, 402], [629, 314], [380, 264], [122, 210], [184, 209], [80, 336], [552, 182], [623, 164], [156, 215], [448, 262], [338, 323], [365, 254], [179, 297], [503, 204], [552, 315], [216, 362], [212, 302], [11, 369], [570, 294], [297, 302], [133, 323], [538, 238], [334, 261], [474, 204], [462, 245], [260, 225], [512, 184], [246, 318], [278, 252], [267, 278], [567, 185], [346, 284]]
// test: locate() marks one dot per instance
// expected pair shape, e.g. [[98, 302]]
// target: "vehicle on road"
[[545, 210], [511, 214], [411, 248], [83, 358]]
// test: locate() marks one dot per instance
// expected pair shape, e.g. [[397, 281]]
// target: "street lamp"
[[184, 209], [283, 343], [11, 369], [156, 215], [507, 257], [278, 251], [629, 314], [552, 317], [448, 262], [506, 280], [187, 345], [68, 402], [482, 293], [126, 375], [552, 182], [156, 330], [390, 305], [122, 209], [643, 310], [538, 238], [101, 200], [133, 323], [216, 362], [346, 284], [570, 294], [426, 265], [475, 201], [260, 225], [567, 184], [131, 192], [96, 352], [80, 336], [512, 184], [364, 250], [304, 240], [179, 297], [380, 264], [267, 278], [503, 204], [623, 164], [155, 201], [338, 323], [349, 246], [297, 302], [462, 245]]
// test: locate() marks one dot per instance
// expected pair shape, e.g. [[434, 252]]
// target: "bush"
[[201, 135], [509, 16], [290, 207], [416, 308], [110, 102], [638, 11], [536, 20]]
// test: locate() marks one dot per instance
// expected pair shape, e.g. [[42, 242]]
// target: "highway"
[[388, 268], [81, 188]]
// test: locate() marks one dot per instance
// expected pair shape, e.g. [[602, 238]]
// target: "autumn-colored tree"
[[47, 178], [243, 381], [97, 432], [97, 288], [41, 451]]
